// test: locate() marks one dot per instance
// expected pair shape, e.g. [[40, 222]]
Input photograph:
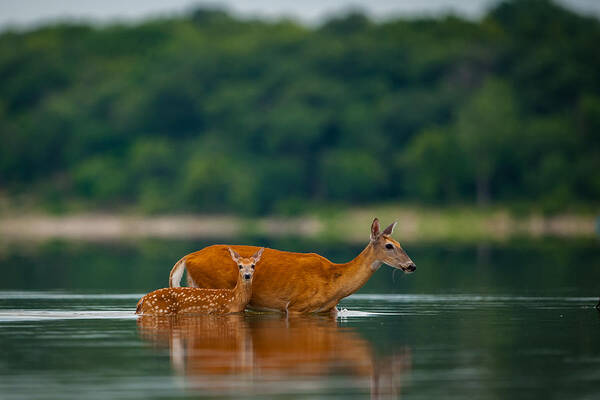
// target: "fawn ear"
[[258, 255], [234, 254], [374, 230], [390, 229]]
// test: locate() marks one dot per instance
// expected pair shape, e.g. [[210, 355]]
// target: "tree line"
[[210, 113]]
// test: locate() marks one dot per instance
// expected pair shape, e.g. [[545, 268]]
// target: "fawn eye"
[[389, 246], [240, 266]]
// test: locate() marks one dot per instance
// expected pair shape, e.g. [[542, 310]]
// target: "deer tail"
[[177, 273]]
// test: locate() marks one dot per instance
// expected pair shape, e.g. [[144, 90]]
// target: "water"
[[504, 321]]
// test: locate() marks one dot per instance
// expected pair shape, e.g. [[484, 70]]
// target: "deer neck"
[[354, 274], [242, 291]]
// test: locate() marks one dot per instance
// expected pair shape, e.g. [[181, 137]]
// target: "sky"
[[28, 13]]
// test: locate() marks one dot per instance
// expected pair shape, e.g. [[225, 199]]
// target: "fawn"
[[187, 300]]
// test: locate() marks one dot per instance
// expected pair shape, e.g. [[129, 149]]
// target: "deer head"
[[389, 251], [246, 264]]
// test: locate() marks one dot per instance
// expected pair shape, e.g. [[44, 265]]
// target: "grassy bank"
[[415, 224]]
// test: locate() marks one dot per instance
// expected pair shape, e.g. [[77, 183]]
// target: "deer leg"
[[333, 312]]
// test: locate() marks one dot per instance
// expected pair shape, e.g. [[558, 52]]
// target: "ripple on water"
[[425, 304], [345, 313], [41, 315], [59, 295], [426, 298], [355, 306]]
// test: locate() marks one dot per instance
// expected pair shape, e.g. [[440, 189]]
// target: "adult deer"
[[294, 282]]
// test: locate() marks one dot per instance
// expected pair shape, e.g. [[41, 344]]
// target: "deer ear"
[[390, 229], [258, 255], [374, 230], [234, 254]]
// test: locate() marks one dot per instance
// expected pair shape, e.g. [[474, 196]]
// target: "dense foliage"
[[212, 113]]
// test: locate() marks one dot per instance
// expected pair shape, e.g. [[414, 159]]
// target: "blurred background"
[[473, 123], [209, 111], [135, 132]]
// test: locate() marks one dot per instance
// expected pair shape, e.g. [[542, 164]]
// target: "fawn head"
[[246, 264], [389, 251]]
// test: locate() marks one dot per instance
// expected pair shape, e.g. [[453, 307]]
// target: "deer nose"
[[247, 276], [411, 267]]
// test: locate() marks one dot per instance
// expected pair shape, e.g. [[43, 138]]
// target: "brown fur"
[[187, 300], [297, 282]]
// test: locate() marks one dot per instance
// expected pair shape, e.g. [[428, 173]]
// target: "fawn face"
[[246, 264], [388, 250]]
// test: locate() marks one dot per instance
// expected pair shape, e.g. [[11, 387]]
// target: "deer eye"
[[252, 266], [240, 266], [389, 246]]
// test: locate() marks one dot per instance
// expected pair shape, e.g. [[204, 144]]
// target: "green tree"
[[487, 130], [434, 167], [351, 176], [207, 112]]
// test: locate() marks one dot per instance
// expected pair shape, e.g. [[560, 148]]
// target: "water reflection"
[[268, 354]]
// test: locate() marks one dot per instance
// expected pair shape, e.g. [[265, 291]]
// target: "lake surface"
[[486, 321]]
